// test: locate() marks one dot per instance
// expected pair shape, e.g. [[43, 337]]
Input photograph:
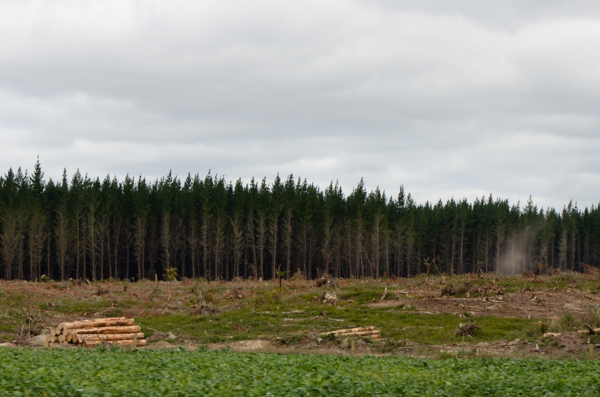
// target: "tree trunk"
[[261, 229], [327, 237], [102, 241], [288, 241], [462, 253], [165, 239], [219, 242], [349, 233], [9, 243], [78, 243], [61, 240], [139, 245], [108, 337], [122, 343], [204, 230], [116, 252], [92, 236], [118, 329], [97, 323], [274, 233]]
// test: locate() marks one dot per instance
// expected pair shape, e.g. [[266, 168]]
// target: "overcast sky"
[[449, 98]]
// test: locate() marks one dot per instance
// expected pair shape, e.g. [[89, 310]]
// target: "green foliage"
[[171, 274], [280, 275], [568, 321], [116, 312], [69, 306], [268, 314], [110, 372], [177, 222], [593, 318]]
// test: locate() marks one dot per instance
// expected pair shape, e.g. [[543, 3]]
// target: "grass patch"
[[260, 310], [249, 323], [70, 306]]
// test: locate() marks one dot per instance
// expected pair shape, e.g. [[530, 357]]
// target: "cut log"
[[367, 333], [590, 330], [115, 343], [349, 330], [109, 337], [466, 329], [384, 295], [71, 333], [71, 324], [119, 331], [108, 330], [71, 337], [101, 322]]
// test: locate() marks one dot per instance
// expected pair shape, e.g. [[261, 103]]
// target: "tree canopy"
[[81, 227]]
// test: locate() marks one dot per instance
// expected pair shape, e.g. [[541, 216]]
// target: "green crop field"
[[101, 372]]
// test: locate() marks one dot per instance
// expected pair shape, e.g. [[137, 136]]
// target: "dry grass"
[[249, 309]]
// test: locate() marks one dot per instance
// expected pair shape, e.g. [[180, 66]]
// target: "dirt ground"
[[566, 345], [34, 307], [542, 303]]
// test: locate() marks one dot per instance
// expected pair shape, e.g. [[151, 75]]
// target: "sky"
[[451, 99]]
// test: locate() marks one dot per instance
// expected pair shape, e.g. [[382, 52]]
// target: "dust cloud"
[[513, 259]]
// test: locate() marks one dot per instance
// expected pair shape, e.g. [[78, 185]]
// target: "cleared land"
[[417, 317]]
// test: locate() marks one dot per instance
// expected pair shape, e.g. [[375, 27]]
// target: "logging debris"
[[466, 329], [385, 294], [75, 282], [322, 281], [461, 291], [118, 331], [368, 332], [588, 329], [329, 298]]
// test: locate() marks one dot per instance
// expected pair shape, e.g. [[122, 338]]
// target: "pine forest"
[[209, 228]]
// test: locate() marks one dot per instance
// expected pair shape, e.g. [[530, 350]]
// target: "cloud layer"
[[457, 100]]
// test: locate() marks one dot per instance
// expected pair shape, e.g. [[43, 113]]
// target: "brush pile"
[[368, 332], [118, 331]]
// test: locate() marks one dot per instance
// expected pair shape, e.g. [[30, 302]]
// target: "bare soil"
[[30, 308], [541, 303]]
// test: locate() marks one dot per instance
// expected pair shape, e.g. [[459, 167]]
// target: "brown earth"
[[538, 299], [565, 345], [540, 303]]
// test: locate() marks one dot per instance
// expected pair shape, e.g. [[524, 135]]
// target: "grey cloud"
[[455, 99]]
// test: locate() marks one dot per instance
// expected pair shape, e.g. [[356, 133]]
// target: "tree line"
[[85, 228]]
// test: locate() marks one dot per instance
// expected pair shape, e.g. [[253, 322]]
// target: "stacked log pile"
[[368, 332], [119, 331]]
